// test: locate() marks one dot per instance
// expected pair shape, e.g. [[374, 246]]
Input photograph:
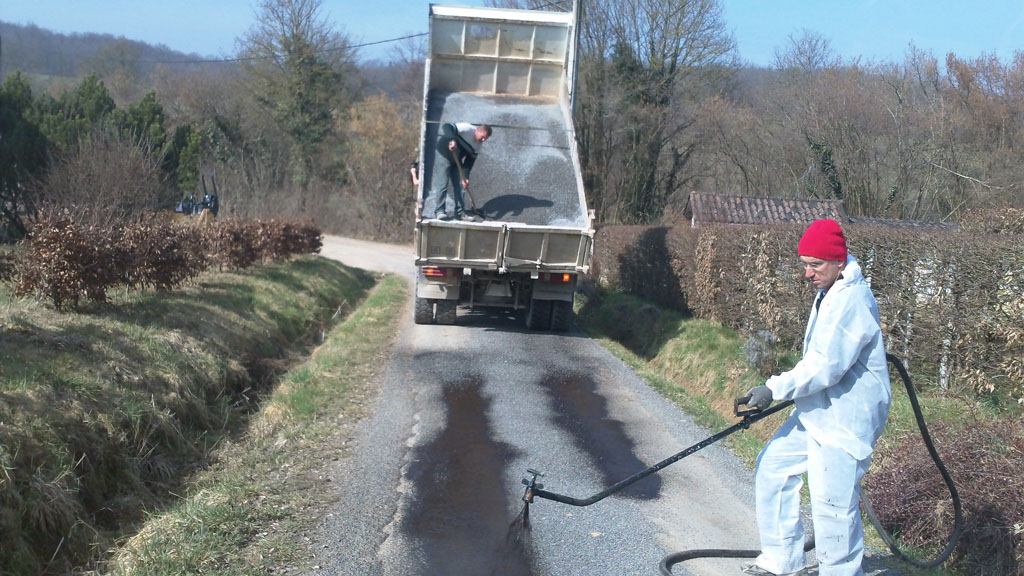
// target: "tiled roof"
[[910, 224], [702, 208]]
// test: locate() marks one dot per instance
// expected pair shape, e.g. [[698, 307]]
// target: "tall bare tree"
[[643, 66], [381, 146], [297, 66], [806, 52]]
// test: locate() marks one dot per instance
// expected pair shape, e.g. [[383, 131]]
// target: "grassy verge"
[[697, 364], [702, 367], [105, 411], [250, 514]]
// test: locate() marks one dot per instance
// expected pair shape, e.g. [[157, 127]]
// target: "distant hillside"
[[40, 52]]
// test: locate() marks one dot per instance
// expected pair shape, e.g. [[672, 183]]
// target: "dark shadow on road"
[[582, 412], [505, 320], [461, 521]]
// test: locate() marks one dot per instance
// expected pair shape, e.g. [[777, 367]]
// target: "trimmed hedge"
[[951, 302], [63, 261]]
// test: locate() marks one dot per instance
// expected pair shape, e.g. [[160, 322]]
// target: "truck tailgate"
[[440, 243], [503, 247], [550, 249]]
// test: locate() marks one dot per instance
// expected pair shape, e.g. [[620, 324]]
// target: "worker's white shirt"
[[468, 133], [840, 387]]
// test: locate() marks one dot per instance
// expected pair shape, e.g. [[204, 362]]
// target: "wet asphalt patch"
[[461, 520], [583, 413]]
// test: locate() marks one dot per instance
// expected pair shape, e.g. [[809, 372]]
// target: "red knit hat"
[[823, 239]]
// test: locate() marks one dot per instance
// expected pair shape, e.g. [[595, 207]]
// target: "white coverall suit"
[[841, 395]]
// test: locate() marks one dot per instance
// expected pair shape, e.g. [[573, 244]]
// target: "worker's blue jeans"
[[833, 478], [452, 180]]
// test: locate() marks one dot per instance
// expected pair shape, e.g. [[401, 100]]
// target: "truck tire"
[[446, 311], [561, 315], [422, 310], [538, 317]]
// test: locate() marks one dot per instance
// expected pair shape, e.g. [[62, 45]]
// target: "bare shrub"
[[232, 244], [279, 239], [912, 502], [107, 180], [161, 254], [64, 262]]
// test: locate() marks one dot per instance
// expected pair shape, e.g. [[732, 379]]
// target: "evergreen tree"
[[23, 153]]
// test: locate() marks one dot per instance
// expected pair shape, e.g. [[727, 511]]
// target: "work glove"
[[760, 397]]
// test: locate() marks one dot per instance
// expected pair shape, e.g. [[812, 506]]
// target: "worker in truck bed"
[[459, 144]]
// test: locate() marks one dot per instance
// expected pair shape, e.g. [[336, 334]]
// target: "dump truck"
[[532, 236]]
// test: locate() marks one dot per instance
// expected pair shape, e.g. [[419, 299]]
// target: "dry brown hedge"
[[63, 261], [951, 302]]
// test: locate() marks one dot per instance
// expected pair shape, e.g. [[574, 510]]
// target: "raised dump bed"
[[512, 70]]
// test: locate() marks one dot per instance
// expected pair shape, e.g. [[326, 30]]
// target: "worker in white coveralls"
[[841, 395]]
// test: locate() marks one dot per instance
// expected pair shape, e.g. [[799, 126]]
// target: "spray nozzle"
[[531, 484]]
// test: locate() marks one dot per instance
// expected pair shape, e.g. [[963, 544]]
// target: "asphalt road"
[[433, 485]]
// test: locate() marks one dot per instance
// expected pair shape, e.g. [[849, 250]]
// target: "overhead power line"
[[257, 58], [556, 3]]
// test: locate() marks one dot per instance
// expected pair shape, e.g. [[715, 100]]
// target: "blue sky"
[[872, 29]]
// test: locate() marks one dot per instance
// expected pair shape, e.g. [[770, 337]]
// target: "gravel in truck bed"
[[524, 172]]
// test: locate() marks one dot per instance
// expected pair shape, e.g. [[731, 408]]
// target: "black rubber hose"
[[675, 558], [958, 514], [748, 419]]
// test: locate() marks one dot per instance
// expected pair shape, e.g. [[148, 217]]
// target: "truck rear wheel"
[[446, 311], [538, 317], [422, 310], [561, 315]]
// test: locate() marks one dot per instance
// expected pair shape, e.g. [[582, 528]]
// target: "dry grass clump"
[[986, 461], [106, 410]]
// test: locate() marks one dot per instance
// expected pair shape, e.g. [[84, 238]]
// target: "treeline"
[[80, 153], [296, 127], [921, 139], [290, 129], [666, 109], [54, 55]]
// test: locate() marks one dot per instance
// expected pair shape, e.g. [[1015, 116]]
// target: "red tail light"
[[564, 278], [435, 272]]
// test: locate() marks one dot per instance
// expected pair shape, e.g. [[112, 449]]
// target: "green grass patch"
[[105, 411], [250, 513]]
